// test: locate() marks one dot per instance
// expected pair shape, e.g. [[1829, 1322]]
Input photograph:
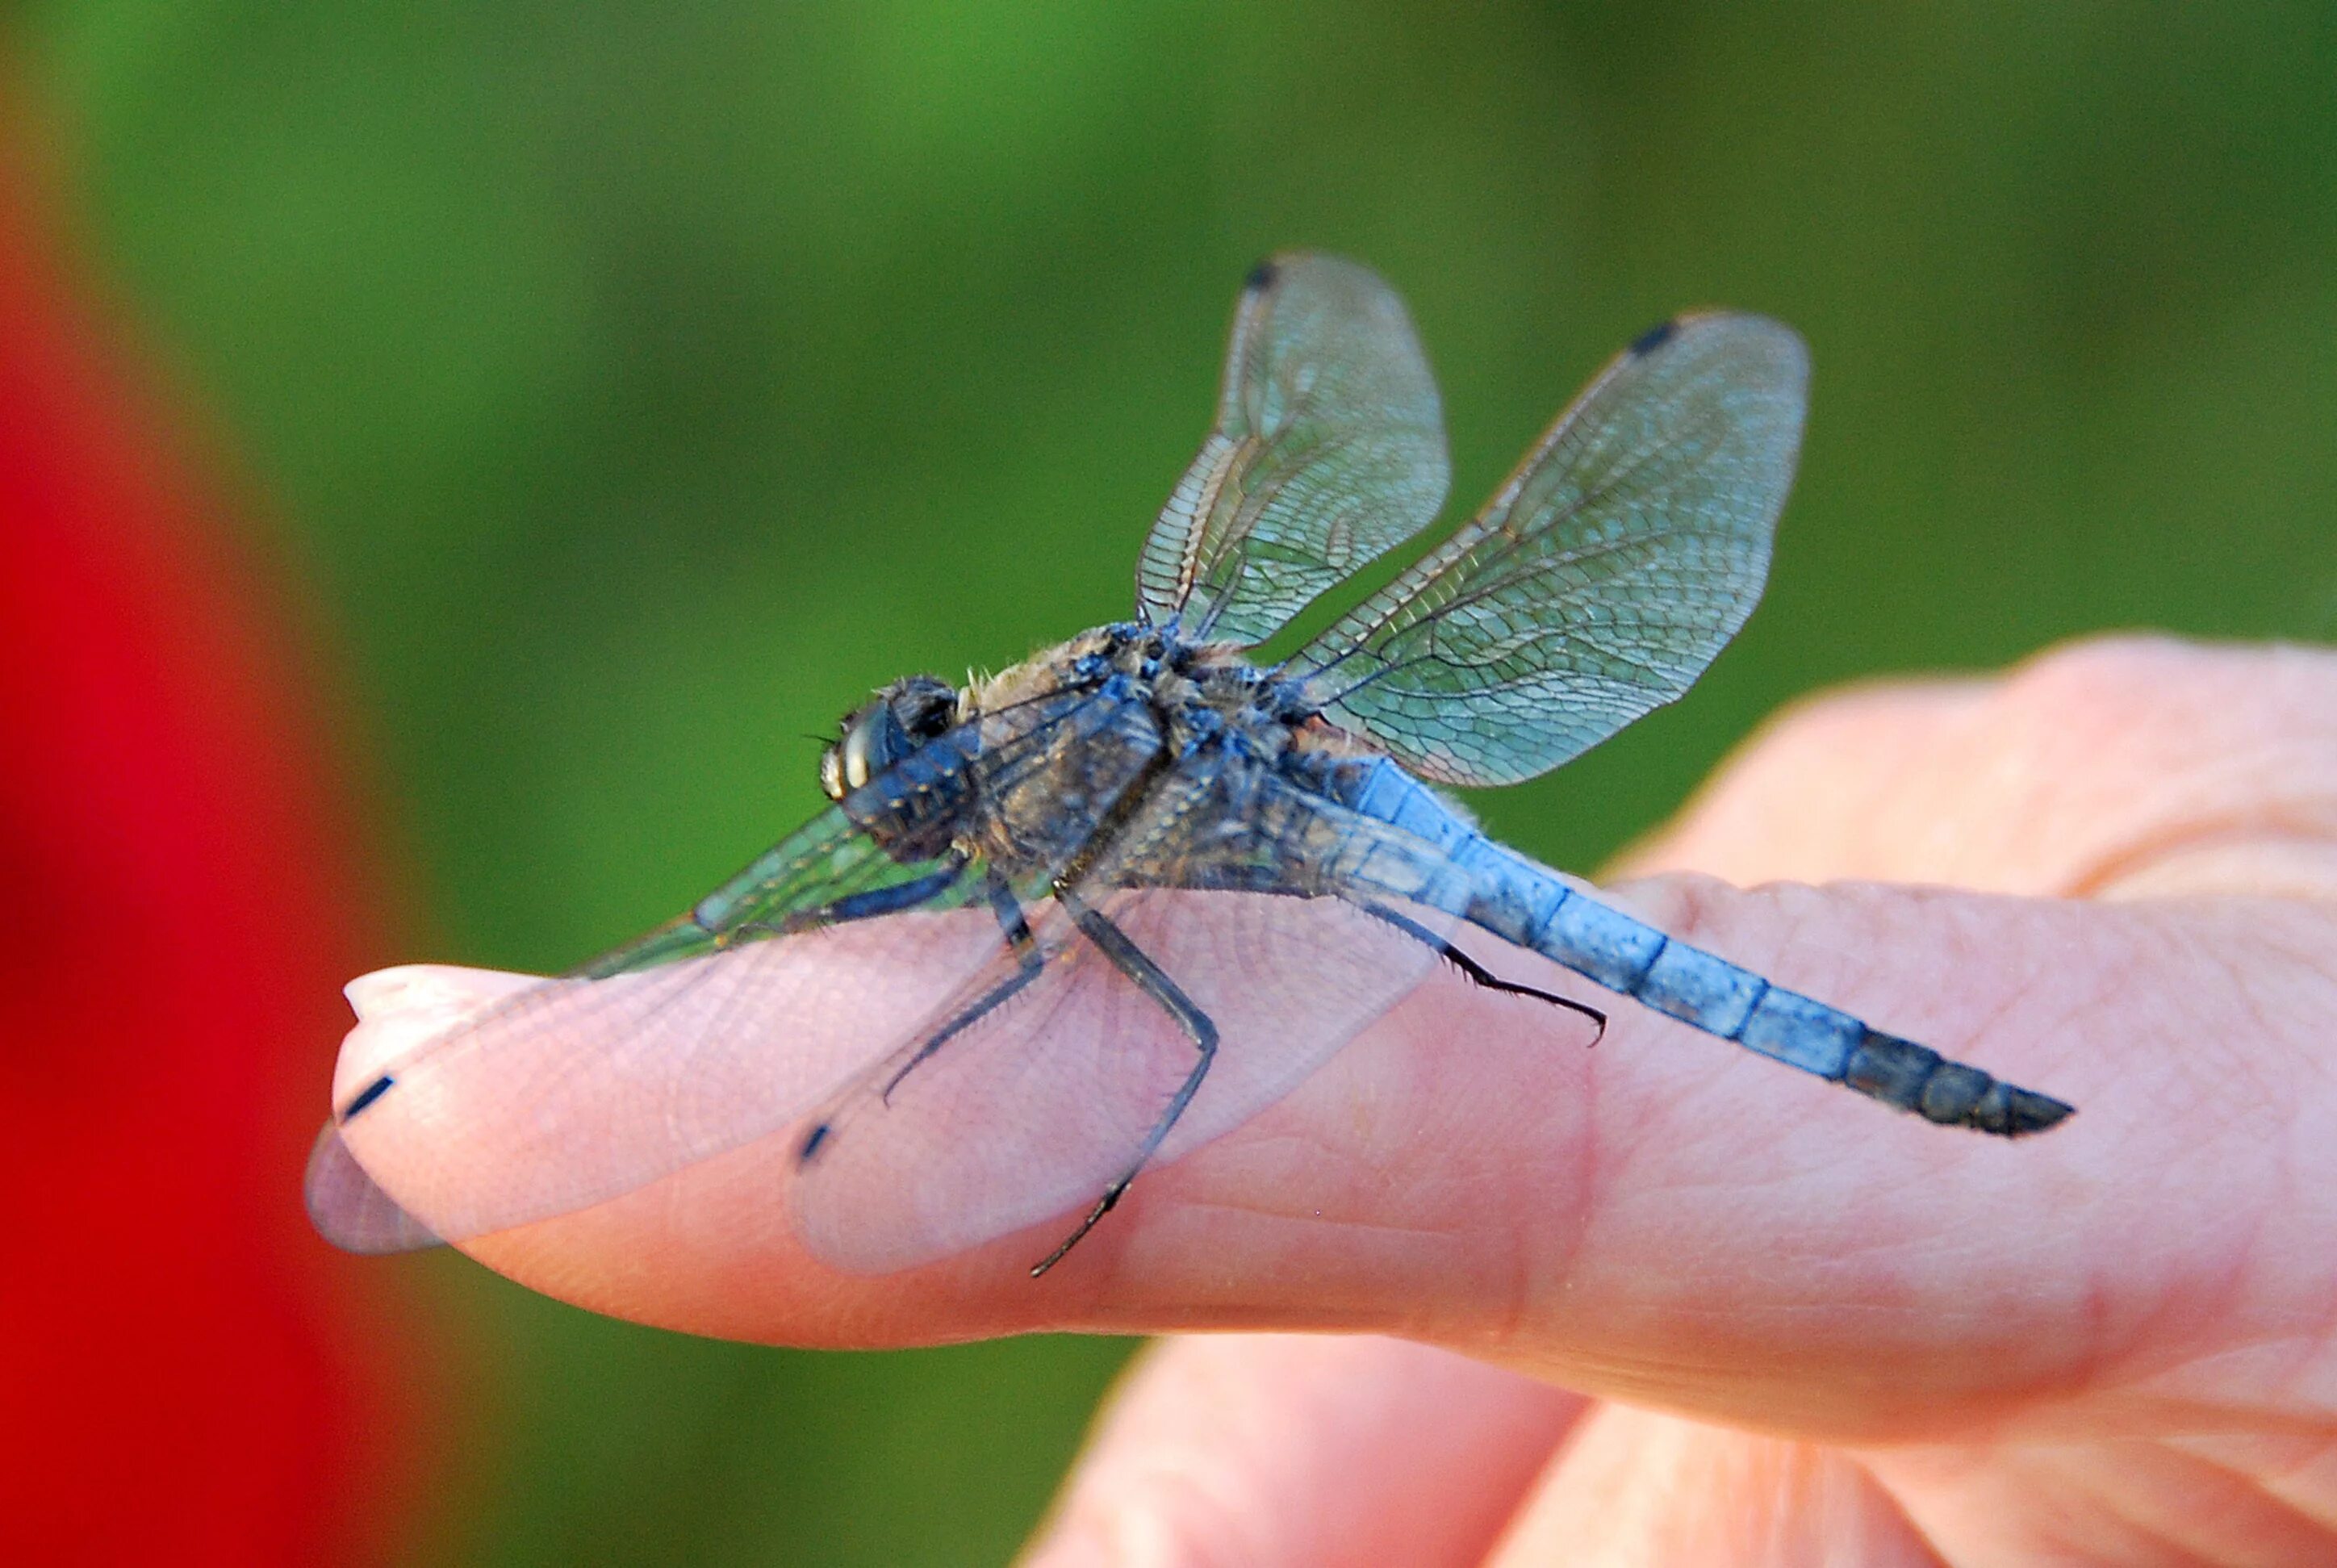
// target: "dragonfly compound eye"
[[904, 717]]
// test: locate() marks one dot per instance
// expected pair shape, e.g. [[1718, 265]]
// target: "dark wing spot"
[[1654, 337], [812, 1140], [367, 1095], [1261, 277]]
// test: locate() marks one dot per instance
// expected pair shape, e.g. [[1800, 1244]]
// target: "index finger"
[[1665, 1219]]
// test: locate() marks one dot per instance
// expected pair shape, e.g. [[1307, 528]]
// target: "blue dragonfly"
[[1142, 884]]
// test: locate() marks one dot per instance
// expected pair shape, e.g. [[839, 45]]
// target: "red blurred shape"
[[184, 1369]]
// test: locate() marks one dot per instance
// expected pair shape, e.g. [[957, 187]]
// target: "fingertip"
[[405, 1006]]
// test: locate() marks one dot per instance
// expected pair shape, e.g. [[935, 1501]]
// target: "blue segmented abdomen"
[[1532, 907]]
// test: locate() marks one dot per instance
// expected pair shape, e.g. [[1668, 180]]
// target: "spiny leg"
[[1479, 972], [1131, 960]]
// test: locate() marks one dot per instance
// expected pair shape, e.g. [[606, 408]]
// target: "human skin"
[[1508, 1300]]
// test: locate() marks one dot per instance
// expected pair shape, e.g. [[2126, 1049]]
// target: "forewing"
[[701, 1036], [1601, 579], [1328, 450], [574, 1091], [1033, 1112]]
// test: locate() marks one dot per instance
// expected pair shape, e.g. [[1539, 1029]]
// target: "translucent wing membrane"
[[1601, 579], [349, 1208], [702, 1035], [575, 1090], [1328, 450]]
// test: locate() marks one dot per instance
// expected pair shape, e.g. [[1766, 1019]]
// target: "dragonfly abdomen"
[[1532, 907], [1721, 998]]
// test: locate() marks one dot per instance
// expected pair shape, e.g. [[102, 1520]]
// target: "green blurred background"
[[635, 386]]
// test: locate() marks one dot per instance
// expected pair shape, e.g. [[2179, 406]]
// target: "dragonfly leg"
[[1149, 978], [1028, 964], [1479, 972]]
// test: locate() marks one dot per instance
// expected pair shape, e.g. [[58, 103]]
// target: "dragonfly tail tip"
[[2027, 1112]]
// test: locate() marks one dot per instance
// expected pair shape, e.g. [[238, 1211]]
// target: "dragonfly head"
[[901, 717]]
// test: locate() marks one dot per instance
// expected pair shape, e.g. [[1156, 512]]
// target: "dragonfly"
[[1139, 886]]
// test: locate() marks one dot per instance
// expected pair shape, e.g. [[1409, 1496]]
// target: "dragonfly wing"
[[1600, 580], [704, 1036], [1037, 1108], [575, 1091], [350, 1210], [1328, 450]]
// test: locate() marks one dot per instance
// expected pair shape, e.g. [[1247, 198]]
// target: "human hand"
[[1875, 1337], [2112, 1345]]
